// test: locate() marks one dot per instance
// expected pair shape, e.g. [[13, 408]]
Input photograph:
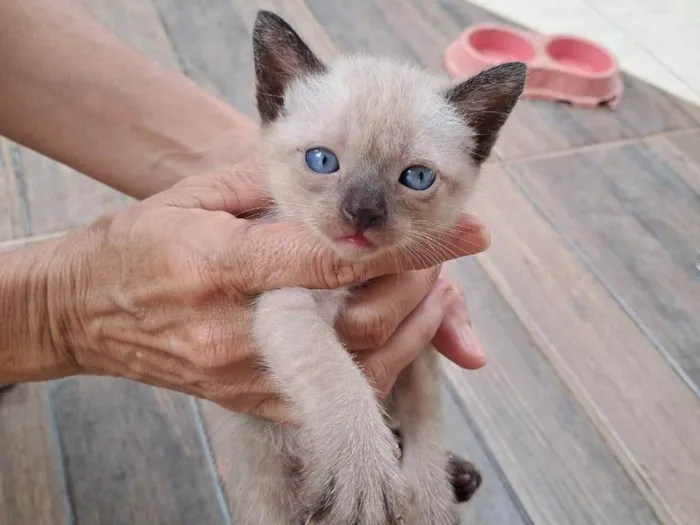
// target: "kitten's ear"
[[486, 100], [280, 57]]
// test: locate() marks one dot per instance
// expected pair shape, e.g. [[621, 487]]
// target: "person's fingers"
[[239, 191], [262, 256], [412, 337], [455, 338], [265, 406], [369, 320]]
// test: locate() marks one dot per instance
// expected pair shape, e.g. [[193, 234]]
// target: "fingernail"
[[470, 222], [486, 234], [476, 233], [470, 341], [441, 290], [452, 300]]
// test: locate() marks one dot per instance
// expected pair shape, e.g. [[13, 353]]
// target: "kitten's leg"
[[417, 406], [264, 486], [464, 477], [351, 473]]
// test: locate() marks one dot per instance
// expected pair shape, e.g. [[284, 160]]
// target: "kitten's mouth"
[[351, 243], [358, 240]]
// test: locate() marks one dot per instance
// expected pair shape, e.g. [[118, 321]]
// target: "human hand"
[[160, 292], [397, 316]]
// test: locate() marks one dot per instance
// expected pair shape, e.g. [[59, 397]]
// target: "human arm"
[[27, 352], [71, 90]]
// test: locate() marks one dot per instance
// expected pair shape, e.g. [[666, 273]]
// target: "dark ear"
[[486, 100], [280, 57]]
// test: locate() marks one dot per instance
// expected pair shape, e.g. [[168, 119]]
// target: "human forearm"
[[74, 92], [29, 348]]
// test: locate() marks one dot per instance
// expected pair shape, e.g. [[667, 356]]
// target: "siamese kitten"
[[369, 154]]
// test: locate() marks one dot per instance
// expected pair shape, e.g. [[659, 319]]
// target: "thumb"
[[240, 191], [279, 255]]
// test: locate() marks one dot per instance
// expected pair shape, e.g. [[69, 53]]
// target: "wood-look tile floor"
[[588, 303]]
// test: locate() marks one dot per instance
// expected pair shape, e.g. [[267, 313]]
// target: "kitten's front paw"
[[464, 476], [441, 494], [433, 502], [364, 487]]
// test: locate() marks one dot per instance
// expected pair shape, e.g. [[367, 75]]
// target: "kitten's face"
[[370, 153]]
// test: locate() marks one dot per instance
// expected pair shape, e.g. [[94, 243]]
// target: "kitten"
[[369, 154]]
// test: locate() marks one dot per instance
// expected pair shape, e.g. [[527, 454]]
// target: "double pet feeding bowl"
[[560, 67]]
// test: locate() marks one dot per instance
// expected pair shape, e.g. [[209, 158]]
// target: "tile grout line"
[[179, 60], [448, 382], [603, 427], [591, 147], [15, 244], [66, 484], [25, 211], [221, 498], [580, 253], [8, 154]]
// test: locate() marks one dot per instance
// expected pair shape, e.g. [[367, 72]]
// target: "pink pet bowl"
[[560, 67]]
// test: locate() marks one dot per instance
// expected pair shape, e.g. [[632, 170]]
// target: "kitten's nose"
[[363, 213]]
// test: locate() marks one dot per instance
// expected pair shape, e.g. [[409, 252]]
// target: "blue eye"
[[417, 178], [321, 160]]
